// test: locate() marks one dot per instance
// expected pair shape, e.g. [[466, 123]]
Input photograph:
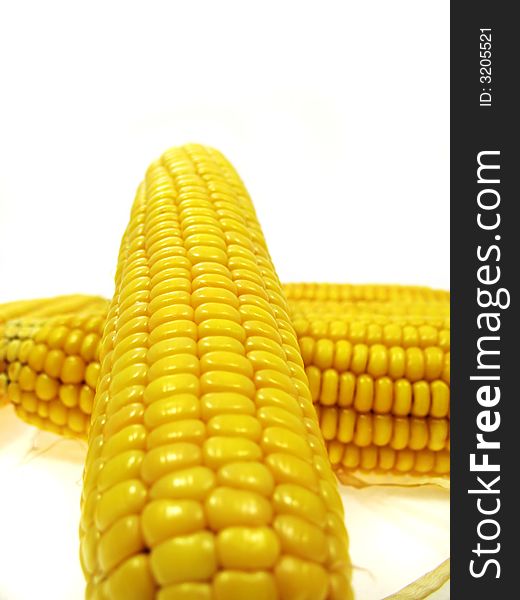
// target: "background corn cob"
[[205, 475], [380, 382]]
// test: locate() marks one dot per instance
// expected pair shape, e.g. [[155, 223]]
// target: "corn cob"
[[206, 475], [25, 318], [380, 384], [348, 292], [52, 368]]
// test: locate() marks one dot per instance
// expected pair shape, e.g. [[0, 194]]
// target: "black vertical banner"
[[485, 269]]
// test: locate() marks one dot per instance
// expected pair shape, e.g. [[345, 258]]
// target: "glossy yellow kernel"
[[164, 519], [347, 423], [397, 362], [250, 476], [171, 408], [324, 354], [401, 433], [424, 461], [238, 585], [219, 450], [73, 342], [89, 347], [306, 344], [92, 374], [414, 364], [76, 420], [132, 580], [363, 431], [402, 398], [383, 395], [170, 313], [300, 538], [359, 360], [300, 579], [221, 327], [86, 399], [186, 430], [329, 387], [405, 461], [128, 395], [330, 495], [26, 379], [13, 348], [442, 462], [347, 386], [364, 394], [438, 434], [378, 360], [131, 437], [219, 343], [57, 413], [43, 410], [227, 382], [57, 337], [227, 506], [369, 458], [194, 483], [171, 347], [280, 439], [29, 402], [121, 541], [217, 403], [440, 399], [382, 429], [214, 289], [276, 416], [293, 470], [296, 500], [69, 395], [235, 426], [122, 467], [88, 550], [169, 385], [54, 363], [45, 387], [163, 459], [387, 457], [247, 548], [329, 423], [186, 591], [433, 363], [180, 328], [37, 356], [278, 398], [342, 355], [73, 369], [170, 365], [193, 555], [124, 498]]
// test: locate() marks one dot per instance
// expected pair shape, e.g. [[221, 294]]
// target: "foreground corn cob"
[[206, 475], [380, 383]]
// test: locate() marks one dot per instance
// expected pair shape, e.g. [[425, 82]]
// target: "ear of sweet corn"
[[51, 368], [364, 293], [380, 381], [206, 475], [27, 335]]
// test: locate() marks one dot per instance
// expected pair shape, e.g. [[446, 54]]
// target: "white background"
[[335, 114]]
